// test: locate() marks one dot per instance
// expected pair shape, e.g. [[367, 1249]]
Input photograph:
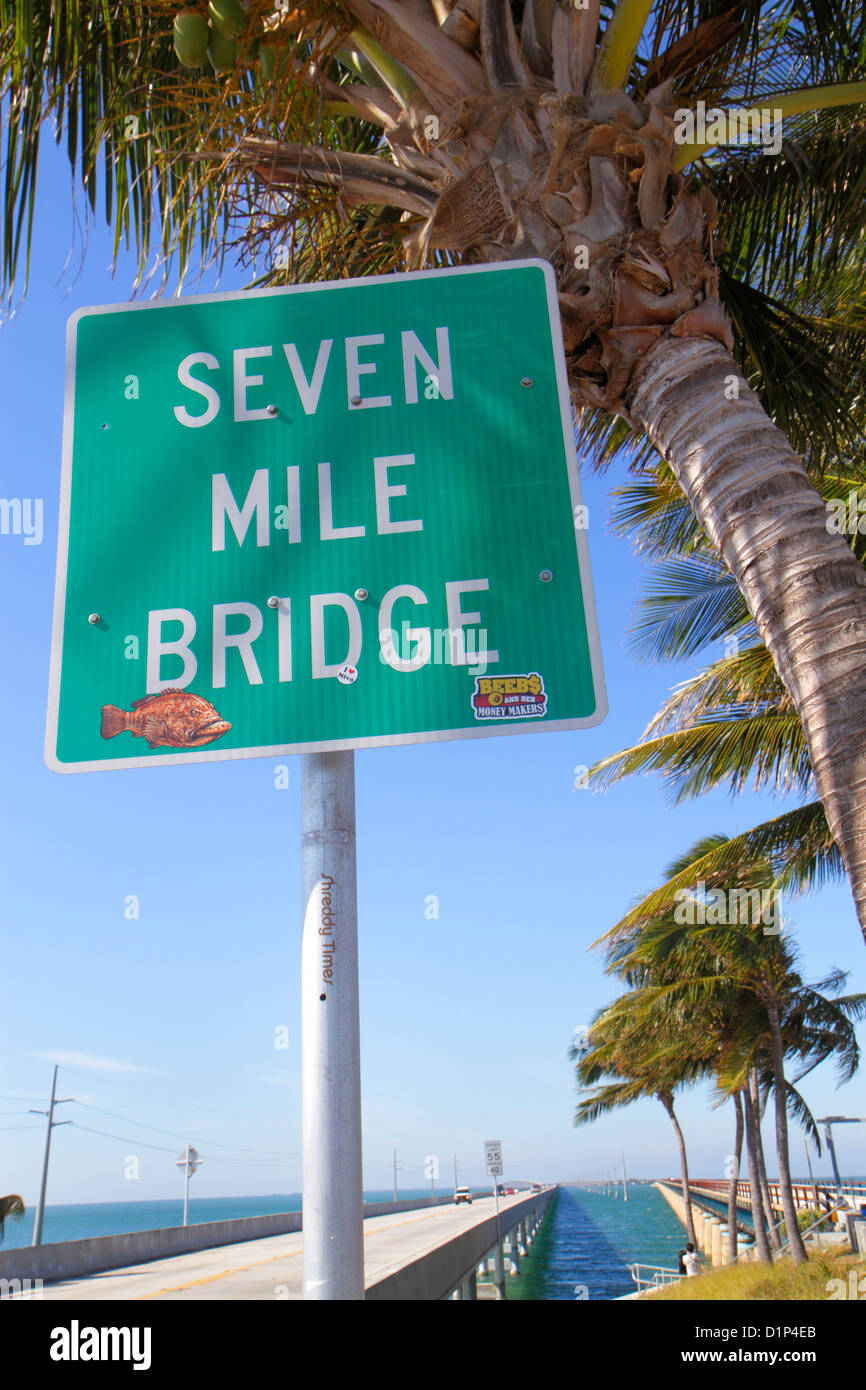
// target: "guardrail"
[[73, 1259], [435, 1274], [658, 1277], [806, 1194], [451, 1267]]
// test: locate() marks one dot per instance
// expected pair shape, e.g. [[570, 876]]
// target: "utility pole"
[[395, 1175], [40, 1209], [455, 1172]]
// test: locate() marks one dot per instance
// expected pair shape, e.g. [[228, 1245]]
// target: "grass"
[[772, 1283]]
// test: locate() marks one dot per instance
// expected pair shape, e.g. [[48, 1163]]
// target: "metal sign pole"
[[331, 1068]]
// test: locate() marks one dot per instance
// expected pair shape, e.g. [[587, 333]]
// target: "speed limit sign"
[[493, 1157]]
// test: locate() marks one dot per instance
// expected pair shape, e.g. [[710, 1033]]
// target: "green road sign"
[[331, 516]]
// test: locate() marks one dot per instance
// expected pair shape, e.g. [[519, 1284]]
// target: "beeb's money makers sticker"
[[510, 697]]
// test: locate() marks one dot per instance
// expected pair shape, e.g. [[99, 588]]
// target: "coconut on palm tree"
[[399, 133]]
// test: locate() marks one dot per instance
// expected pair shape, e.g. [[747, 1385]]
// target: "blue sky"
[[169, 1020]]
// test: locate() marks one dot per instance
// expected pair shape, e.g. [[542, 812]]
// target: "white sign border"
[[328, 745]]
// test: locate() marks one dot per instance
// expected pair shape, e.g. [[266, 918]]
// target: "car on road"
[[462, 1194]]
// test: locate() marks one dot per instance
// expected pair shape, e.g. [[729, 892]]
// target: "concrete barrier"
[[70, 1259], [438, 1272]]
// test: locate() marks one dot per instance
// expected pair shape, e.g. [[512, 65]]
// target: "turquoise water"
[[590, 1239]]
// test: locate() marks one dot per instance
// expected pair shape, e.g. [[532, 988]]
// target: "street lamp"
[[828, 1121]]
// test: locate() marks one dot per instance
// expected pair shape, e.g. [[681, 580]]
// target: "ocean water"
[[588, 1241]]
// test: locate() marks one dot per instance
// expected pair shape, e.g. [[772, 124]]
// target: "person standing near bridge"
[[692, 1260]]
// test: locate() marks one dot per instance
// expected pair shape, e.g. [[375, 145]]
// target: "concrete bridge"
[[711, 1225], [806, 1194], [412, 1251]]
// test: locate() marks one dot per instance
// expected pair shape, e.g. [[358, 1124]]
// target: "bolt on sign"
[[329, 516]]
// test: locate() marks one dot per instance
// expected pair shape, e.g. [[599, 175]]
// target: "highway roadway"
[[272, 1268]]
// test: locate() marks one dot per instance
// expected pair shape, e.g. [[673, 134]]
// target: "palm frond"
[[686, 604], [797, 844]]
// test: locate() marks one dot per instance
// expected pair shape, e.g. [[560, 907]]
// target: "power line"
[[137, 1090], [123, 1139], [270, 1153], [160, 1148], [173, 1100]]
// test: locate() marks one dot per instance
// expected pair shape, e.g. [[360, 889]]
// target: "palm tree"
[[629, 1058], [401, 133], [733, 723], [762, 1212], [707, 1029], [734, 1178], [739, 953], [10, 1206]]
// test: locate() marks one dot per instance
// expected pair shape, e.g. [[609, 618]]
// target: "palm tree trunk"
[[732, 1185], [798, 1249], [754, 1185], [804, 586], [775, 1238], [667, 1102]]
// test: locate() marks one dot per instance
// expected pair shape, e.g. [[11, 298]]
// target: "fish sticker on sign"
[[172, 719], [510, 697]]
